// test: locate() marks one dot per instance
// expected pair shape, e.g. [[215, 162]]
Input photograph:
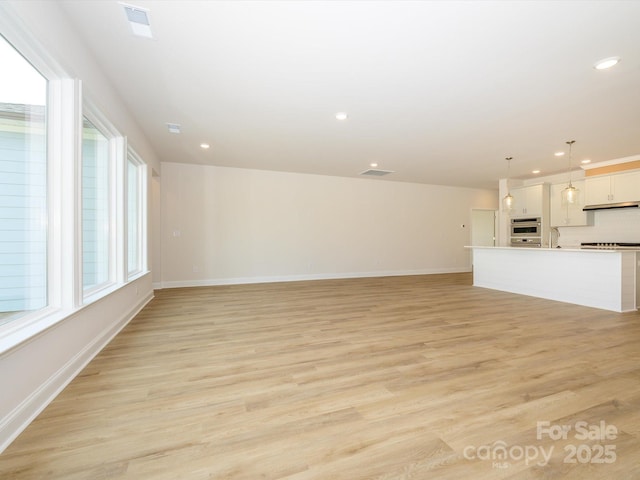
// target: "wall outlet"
[[196, 269], [177, 233]]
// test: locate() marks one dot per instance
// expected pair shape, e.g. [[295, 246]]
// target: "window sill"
[[21, 330]]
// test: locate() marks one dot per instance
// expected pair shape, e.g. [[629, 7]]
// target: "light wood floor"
[[387, 378]]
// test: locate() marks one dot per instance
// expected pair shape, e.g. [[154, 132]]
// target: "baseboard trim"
[[301, 278], [17, 420]]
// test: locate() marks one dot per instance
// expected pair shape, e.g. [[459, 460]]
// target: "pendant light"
[[507, 201], [570, 194]]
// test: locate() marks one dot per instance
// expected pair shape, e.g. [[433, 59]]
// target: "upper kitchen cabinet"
[[620, 187], [531, 201], [569, 215]]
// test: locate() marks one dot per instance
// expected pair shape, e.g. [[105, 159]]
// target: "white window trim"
[[116, 154], [65, 142], [142, 214], [65, 110]]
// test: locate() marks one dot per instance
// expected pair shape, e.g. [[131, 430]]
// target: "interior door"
[[483, 228]]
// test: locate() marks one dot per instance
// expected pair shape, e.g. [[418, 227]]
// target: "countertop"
[[563, 249]]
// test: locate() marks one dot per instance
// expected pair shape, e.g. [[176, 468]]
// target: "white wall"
[[34, 370], [227, 225]]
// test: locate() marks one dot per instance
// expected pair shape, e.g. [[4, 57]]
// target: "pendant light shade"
[[570, 194], [507, 200]]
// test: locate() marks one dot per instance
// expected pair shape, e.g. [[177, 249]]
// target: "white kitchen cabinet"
[[598, 190], [531, 201], [569, 215], [626, 187], [620, 187]]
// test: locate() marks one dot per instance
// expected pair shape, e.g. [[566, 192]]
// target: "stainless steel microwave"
[[526, 227]]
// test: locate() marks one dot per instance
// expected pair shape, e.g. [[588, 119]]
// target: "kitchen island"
[[599, 278]]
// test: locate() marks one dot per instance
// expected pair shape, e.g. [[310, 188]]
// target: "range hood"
[[608, 206]]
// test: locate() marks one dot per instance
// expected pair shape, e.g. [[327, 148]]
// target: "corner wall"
[[227, 225]]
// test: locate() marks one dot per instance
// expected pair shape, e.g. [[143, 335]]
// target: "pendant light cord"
[[570, 143]]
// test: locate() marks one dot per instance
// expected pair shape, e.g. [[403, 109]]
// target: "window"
[[96, 215], [72, 214], [136, 205], [23, 186]]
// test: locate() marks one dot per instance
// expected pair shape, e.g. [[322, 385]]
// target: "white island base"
[[604, 279]]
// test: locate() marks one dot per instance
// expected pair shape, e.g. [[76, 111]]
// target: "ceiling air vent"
[[139, 20], [173, 127], [374, 172]]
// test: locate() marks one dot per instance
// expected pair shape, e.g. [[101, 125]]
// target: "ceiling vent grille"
[[135, 15], [374, 172], [139, 20], [173, 127]]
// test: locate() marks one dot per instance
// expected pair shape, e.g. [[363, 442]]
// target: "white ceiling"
[[439, 91]]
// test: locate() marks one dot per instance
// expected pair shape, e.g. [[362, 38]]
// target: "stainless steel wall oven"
[[526, 232], [526, 227]]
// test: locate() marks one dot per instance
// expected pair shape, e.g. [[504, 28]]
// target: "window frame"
[[63, 93], [31, 129], [114, 172], [65, 111], [141, 225]]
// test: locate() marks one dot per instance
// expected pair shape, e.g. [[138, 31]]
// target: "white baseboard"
[[299, 278], [17, 420]]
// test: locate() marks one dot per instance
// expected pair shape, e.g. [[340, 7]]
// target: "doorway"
[[483, 228]]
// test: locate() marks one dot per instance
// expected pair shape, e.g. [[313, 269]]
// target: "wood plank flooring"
[[384, 378]]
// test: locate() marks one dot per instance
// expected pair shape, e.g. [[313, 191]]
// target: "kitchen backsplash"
[[616, 225]]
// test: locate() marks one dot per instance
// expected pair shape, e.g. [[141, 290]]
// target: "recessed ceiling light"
[[559, 154], [204, 146], [341, 115], [585, 161], [173, 127], [606, 63], [536, 171], [374, 165]]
